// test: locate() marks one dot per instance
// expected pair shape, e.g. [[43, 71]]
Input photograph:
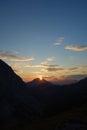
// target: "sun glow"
[[40, 77]]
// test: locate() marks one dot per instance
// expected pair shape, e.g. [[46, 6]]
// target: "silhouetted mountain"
[[37, 83], [58, 98], [15, 99], [83, 82]]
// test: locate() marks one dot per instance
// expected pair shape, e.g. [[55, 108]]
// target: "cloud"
[[59, 41], [17, 68], [49, 59], [76, 48], [74, 68], [22, 59], [13, 57], [36, 72], [45, 67], [48, 77], [33, 66], [44, 62], [18, 71], [53, 68], [78, 68], [84, 66]]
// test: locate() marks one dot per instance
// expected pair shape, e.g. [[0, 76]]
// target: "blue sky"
[[45, 38]]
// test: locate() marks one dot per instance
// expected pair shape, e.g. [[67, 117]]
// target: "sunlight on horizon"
[[40, 77]]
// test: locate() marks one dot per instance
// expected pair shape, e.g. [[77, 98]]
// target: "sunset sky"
[[45, 38]]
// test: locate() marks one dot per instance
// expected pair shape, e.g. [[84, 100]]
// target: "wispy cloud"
[[48, 59], [77, 68], [22, 59], [53, 68], [84, 66], [44, 62], [17, 68], [18, 71], [59, 41], [36, 72], [76, 48], [34, 66], [74, 68], [45, 67], [14, 57], [60, 69]]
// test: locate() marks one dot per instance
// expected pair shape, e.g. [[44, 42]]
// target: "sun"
[[40, 77]]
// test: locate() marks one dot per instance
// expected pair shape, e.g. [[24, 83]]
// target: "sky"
[[45, 38]]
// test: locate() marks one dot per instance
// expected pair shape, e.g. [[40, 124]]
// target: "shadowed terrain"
[[40, 104]]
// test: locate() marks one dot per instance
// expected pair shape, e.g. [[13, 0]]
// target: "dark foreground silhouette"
[[39, 102]]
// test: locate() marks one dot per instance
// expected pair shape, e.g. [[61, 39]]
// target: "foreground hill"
[[15, 100]]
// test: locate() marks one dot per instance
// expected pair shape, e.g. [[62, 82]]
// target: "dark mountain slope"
[[15, 99]]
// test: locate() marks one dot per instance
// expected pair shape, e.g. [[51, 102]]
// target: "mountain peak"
[[37, 82]]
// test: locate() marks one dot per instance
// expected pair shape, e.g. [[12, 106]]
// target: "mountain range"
[[36, 99]]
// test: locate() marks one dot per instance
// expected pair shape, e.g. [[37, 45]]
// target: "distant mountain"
[[82, 82], [57, 98], [37, 83], [15, 99]]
